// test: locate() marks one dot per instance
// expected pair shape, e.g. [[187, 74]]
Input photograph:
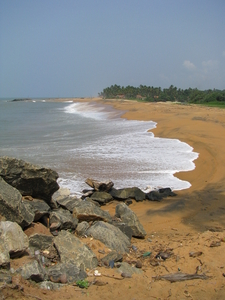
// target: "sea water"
[[82, 140]]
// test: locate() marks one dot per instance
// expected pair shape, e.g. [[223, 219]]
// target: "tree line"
[[155, 94]]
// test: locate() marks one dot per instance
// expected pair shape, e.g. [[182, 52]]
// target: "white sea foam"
[[81, 140], [85, 110]]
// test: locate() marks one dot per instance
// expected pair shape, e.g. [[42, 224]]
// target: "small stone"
[[139, 264], [126, 275]]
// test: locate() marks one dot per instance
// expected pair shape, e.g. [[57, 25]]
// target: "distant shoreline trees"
[[156, 94]]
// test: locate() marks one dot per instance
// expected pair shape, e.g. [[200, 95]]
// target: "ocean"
[[82, 140]]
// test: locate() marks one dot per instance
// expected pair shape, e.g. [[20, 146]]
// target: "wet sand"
[[193, 221]]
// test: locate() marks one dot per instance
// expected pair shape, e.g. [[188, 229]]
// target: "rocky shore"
[[180, 257], [30, 195]]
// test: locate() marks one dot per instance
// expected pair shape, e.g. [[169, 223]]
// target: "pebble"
[[126, 275], [138, 264], [134, 248]]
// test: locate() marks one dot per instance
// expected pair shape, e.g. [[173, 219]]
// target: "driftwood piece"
[[181, 277]]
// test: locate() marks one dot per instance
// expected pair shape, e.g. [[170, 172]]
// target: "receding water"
[[81, 140]]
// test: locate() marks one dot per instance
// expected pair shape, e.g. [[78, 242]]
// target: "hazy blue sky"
[[57, 48]]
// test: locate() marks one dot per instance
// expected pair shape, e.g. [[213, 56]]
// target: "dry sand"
[[193, 221]]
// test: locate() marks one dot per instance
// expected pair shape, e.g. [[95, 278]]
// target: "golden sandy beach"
[[193, 221]]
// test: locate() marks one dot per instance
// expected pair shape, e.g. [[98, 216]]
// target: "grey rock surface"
[[71, 249], [12, 207], [66, 273], [101, 197], [39, 207], [36, 181], [123, 194], [87, 211], [39, 241], [33, 271], [15, 240], [82, 228], [109, 235], [130, 218], [64, 218]]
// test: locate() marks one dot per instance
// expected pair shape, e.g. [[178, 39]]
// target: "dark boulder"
[[64, 218], [38, 182], [39, 241], [68, 203], [39, 207], [167, 192], [104, 186], [32, 271], [130, 219], [123, 194], [154, 196], [12, 207], [101, 197]]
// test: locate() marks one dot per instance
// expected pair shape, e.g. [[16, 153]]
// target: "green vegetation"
[[82, 284], [155, 94]]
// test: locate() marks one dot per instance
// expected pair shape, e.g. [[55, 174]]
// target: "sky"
[[76, 48]]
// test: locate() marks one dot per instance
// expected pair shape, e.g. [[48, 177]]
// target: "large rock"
[[101, 197], [71, 249], [39, 241], [4, 256], [12, 207], [154, 196], [82, 228], [33, 271], [109, 235], [68, 203], [66, 273], [14, 239], [35, 181], [129, 218], [87, 211], [123, 194], [64, 218], [104, 186], [39, 207], [5, 278]]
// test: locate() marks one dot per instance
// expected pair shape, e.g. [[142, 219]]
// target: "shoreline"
[[188, 223]]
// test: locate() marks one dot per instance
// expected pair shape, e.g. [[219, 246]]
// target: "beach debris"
[[134, 248], [163, 255], [154, 263], [195, 254], [148, 253], [111, 264], [181, 277], [96, 273], [215, 244]]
